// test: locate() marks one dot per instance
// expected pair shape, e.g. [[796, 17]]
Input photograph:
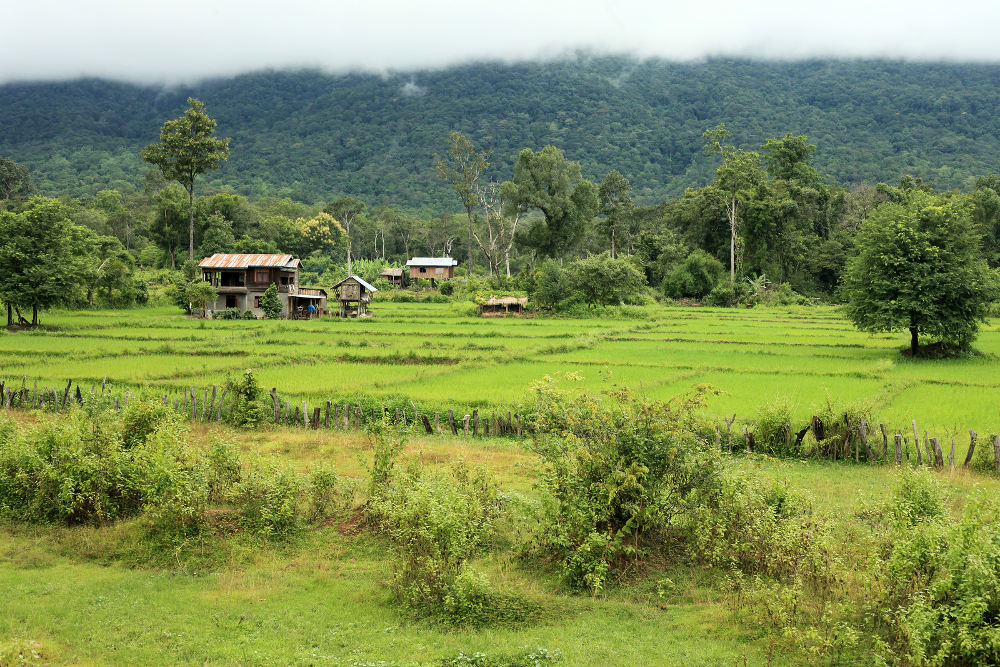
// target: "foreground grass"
[[111, 595]]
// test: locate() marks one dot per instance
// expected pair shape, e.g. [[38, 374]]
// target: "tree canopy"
[[920, 268]]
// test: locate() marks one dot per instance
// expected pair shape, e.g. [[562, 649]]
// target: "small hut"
[[354, 295], [503, 306], [434, 268], [392, 276]]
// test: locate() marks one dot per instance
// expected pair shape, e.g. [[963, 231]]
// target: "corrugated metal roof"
[[391, 272], [432, 261], [360, 280], [226, 261], [312, 291]]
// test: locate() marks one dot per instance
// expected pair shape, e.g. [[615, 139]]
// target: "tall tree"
[[14, 178], [739, 172], [550, 183], [42, 256], [187, 148], [167, 226], [345, 211], [500, 227], [616, 207], [462, 167], [920, 268]]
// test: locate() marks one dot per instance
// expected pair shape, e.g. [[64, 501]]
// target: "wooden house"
[[503, 306], [433, 268], [353, 295], [241, 280], [393, 276], [309, 296]]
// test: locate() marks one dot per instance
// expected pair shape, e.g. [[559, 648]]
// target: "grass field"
[[106, 595], [439, 357]]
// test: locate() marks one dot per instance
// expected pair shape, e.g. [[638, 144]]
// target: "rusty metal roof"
[[225, 261]]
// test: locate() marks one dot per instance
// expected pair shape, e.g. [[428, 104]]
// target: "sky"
[[183, 41]]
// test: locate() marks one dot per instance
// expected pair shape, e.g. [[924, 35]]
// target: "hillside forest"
[[529, 210]]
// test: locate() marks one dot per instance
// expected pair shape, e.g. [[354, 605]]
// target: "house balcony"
[[231, 289]]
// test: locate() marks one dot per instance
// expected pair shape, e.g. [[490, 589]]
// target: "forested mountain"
[[313, 136]]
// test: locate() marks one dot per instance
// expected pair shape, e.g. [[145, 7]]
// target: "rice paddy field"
[[440, 357]]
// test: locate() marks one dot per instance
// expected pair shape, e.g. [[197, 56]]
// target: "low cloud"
[[182, 41]]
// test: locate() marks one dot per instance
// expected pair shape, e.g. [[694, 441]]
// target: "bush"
[[447, 287], [270, 303], [769, 428], [615, 470], [437, 521], [248, 315], [245, 410], [328, 495], [267, 499], [722, 295], [228, 314], [79, 469], [695, 278]]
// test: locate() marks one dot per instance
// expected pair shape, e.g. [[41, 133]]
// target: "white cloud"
[[185, 40]]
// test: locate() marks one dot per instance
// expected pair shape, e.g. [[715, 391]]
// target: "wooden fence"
[[840, 441], [210, 405]]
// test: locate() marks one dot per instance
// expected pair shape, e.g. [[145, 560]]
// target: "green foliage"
[[920, 268], [267, 497], [695, 278], [246, 410], [437, 521], [603, 280], [525, 658], [228, 314], [769, 427], [615, 470], [270, 303], [723, 295], [83, 469], [546, 181], [447, 287]]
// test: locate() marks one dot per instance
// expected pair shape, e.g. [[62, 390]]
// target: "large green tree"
[[920, 268], [548, 182], [187, 148], [44, 258], [462, 167], [736, 176], [345, 211], [14, 178]]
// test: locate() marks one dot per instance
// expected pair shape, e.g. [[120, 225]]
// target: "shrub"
[[722, 295], [248, 315], [228, 314], [246, 410], [142, 418], [615, 471], [328, 494], [225, 468], [437, 521], [270, 303], [447, 287], [769, 427], [695, 278], [267, 498]]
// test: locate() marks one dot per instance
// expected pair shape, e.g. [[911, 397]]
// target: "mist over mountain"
[[313, 136]]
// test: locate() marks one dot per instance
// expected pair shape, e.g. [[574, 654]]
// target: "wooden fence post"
[[326, 417], [277, 405], [451, 421], [931, 453], [475, 422], [916, 441], [347, 416], [938, 454], [194, 404], [305, 415], [357, 417], [427, 425], [222, 399], [465, 425], [863, 433], [951, 456], [748, 437], [295, 419], [65, 399], [315, 423], [885, 443], [729, 430], [898, 440], [972, 448], [486, 426]]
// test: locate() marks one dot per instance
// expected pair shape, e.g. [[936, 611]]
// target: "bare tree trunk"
[[913, 341], [10, 315], [468, 212], [191, 221], [34, 314], [732, 241], [348, 229]]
